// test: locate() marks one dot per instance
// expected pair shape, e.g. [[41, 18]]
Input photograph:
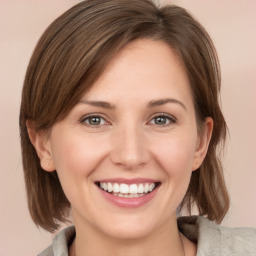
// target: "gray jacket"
[[211, 239]]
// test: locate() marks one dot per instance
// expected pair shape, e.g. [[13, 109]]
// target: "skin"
[[128, 142]]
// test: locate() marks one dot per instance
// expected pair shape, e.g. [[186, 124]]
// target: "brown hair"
[[73, 52]]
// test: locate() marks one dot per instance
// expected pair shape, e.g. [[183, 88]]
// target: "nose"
[[129, 149]]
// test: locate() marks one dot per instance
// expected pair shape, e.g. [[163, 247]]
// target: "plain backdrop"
[[231, 24]]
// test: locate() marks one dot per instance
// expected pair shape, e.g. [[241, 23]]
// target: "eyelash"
[[171, 120], [88, 117]]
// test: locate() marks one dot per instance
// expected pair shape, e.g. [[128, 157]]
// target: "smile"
[[128, 190]]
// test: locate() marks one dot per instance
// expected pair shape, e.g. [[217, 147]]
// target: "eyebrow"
[[155, 103], [101, 104]]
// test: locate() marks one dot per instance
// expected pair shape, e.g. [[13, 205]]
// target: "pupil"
[[160, 120], [94, 120]]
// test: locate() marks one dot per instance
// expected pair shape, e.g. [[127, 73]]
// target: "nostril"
[[130, 152]]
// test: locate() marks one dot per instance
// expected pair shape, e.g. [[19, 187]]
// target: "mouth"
[[125, 190]]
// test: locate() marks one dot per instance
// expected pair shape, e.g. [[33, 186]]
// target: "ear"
[[203, 141], [41, 143]]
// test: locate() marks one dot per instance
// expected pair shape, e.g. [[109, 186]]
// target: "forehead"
[[143, 68]]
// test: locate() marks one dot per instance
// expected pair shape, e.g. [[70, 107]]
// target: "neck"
[[166, 241]]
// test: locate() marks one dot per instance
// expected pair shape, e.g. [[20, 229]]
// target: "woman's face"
[[135, 130]]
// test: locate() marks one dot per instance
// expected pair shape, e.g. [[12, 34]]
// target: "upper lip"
[[128, 181]]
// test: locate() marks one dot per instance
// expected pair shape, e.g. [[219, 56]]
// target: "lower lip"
[[129, 202]]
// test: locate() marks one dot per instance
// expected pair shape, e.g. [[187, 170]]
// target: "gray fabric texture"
[[211, 239]]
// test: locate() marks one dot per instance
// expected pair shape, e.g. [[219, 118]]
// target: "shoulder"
[[60, 243], [213, 239]]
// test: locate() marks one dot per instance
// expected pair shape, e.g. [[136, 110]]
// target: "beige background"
[[232, 27]]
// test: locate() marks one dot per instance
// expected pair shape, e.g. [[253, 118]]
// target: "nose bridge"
[[130, 146]]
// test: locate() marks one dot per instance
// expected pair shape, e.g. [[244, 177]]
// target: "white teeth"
[[110, 187], [151, 187], [116, 188], [140, 188], [129, 195], [133, 189], [125, 190], [146, 188], [105, 186]]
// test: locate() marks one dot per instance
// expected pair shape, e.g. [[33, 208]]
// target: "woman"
[[120, 126]]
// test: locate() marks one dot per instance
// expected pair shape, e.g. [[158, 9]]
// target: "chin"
[[130, 228], [129, 232]]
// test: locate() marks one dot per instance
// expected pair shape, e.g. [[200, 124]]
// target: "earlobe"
[[41, 143], [203, 142]]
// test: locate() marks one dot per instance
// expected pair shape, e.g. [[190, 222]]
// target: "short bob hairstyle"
[[72, 54]]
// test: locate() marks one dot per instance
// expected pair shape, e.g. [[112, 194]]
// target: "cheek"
[[75, 158], [76, 155], [176, 155], [176, 160]]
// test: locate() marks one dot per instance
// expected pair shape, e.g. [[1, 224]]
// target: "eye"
[[94, 120], [162, 120]]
